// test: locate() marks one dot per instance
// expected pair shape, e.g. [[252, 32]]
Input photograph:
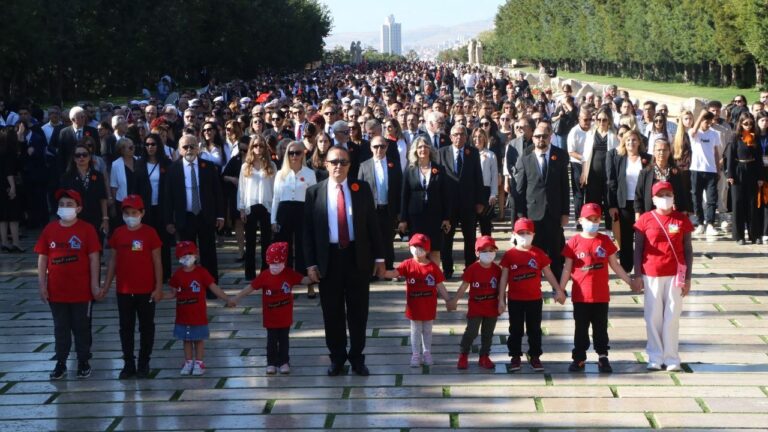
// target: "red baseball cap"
[[420, 240], [484, 242], [184, 248], [69, 193], [660, 186], [277, 253], [524, 224], [591, 209], [133, 201]]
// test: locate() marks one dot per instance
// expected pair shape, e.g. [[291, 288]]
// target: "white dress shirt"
[[402, 149], [48, 131], [540, 160], [154, 181], [255, 188], [490, 170], [291, 187], [333, 221]]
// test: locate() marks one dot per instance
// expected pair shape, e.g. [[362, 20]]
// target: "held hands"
[[445, 226], [230, 303], [479, 208], [157, 295], [243, 216], [402, 227], [502, 307], [686, 288], [44, 294], [614, 212], [451, 304], [638, 285], [313, 274], [560, 297]]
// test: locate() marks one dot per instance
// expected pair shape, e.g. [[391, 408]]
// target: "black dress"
[[10, 209], [424, 209], [597, 176], [92, 189]]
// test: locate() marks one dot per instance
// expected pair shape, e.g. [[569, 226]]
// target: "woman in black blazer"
[[89, 182], [426, 200], [663, 168], [624, 165]]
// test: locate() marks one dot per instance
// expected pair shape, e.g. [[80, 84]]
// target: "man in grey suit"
[[517, 147], [541, 178]]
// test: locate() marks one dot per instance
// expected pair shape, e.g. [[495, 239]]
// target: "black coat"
[[617, 178], [175, 198], [426, 215], [64, 142], [644, 195], [92, 195], [544, 196], [466, 186], [394, 183]]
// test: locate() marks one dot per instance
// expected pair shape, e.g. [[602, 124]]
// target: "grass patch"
[[764, 338], [399, 380], [718, 307], [168, 344], [454, 420], [346, 392], [684, 90], [651, 420], [425, 369], [735, 323], [268, 406], [41, 347], [176, 396], [375, 333], [754, 300], [246, 310], [764, 390], [17, 316], [404, 341], [614, 391], [548, 380], [51, 398], [7, 387], [539, 404], [112, 426], [447, 392], [298, 325], [245, 352], [220, 383], [703, 405], [639, 357], [675, 379], [329, 419]]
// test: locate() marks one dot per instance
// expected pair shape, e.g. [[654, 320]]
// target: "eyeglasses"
[[150, 144], [275, 119], [293, 153], [504, 119], [378, 146], [342, 162], [230, 129], [81, 155], [188, 147], [747, 123], [258, 121], [541, 136], [342, 131], [658, 121], [519, 127], [484, 124], [602, 119], [208, 130], [740, 101]]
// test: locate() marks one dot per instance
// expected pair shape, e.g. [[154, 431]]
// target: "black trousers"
[[701, 181], [627, 244], [475, 324], [129, 307], [578, 191], [72, 320], [551, 239], [468, 220], [36, 205], [387, 229], [204, 234], [526, 312], [485, 218], [344, 292], [277, 346], [290, 217], [156, 222], [584, 315], [745, 211], [257, 219]]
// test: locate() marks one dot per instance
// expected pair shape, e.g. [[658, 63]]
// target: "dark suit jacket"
[[65, 141], [438, 206], [544, 196], [644, 197], [466, 186], [394, 182], [368, 243], [34, 167], [617, 178], [174, 200], [109, 149], [443, 139]]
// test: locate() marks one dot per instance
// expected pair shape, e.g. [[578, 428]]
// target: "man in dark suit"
[[522, 144], [462, 164], [541, 179], [385, 177], [435, 125], [194, 205], [341, 240], [65, 141]]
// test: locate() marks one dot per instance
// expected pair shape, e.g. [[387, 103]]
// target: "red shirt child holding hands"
[[521, 271], [277, 304]]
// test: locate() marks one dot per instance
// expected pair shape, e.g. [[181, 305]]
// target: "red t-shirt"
[[190, 295], [525, 268], [420, 288], [135, 270], [590, 267], [483, 290], [277, 296], [658, 259], [69, 268]]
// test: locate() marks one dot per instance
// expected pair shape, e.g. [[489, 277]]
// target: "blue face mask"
[[590, 227]]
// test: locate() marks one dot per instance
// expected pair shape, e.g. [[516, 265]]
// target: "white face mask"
[[663, 203], [417, 252], [486, 257], [523, 240], [590, 227], [67, 214], [131, 221], [276, 268], [187, 260]]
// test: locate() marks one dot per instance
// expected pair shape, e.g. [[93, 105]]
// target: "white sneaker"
[[428, 359], [187, 368], [765, 239], [415, 360], [725, 225], [271, 370], [285, 369], [199, 368], [673, 368], [712, 231], [699, 230], [653, 366]]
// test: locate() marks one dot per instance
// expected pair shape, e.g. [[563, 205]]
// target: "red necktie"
[[341, 214]]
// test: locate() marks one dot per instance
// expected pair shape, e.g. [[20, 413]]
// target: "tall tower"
[[391, 42]]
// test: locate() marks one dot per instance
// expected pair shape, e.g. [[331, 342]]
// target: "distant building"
[[391, 42]]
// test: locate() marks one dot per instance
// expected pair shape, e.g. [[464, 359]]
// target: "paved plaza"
[[724, 347]]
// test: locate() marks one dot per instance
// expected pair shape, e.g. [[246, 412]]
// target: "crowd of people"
[[336, 164]]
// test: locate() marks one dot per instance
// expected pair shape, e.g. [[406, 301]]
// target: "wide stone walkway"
[[724, 346]]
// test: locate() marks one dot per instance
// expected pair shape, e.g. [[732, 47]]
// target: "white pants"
[[663, 305], [421, 336]]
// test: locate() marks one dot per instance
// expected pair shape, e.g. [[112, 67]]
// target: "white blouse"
[[490, 170], [255, 189], [633, 173], [292, 187]]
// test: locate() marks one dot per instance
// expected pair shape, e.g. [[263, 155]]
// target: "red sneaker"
[[536, 364], [463, 361], [486, 363], [514, 364]]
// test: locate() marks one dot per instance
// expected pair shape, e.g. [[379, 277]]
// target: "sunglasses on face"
[[342, 162], [208, 130], [188, 147], [484, 124], [81, 155], [150, 144], [378, 146], [542, 136], [294, 153]]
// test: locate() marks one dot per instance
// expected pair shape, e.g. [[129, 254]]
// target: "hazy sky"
[[362, 16]]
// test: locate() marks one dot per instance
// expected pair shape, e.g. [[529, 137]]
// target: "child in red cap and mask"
[[189, 284], [277, 304]]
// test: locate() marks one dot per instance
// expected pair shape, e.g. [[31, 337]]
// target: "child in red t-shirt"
[[189, 285], [482, 278], [135, 259], [587, 257], [68, 276], [423, 281], [277, 304], [521, 270]]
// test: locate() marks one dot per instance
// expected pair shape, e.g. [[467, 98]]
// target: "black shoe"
[[16, 249], [5, 248], [128, 371], [142, 371], [576, 366], [758, 241], [335, 369], [603, 365], [361, 370], [83, 369], [59, 371]]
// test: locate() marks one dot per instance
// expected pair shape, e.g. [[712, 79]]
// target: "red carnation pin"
[[391, 165], [87, 133], [355, 187], [93, 178], [674, 171], [202, 164], [554, 157], [434, 170], [466, 152], [301, 179], [644, 161]]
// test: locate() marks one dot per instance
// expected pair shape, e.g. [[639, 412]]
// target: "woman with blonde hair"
[[254, 199], [490, 171]]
